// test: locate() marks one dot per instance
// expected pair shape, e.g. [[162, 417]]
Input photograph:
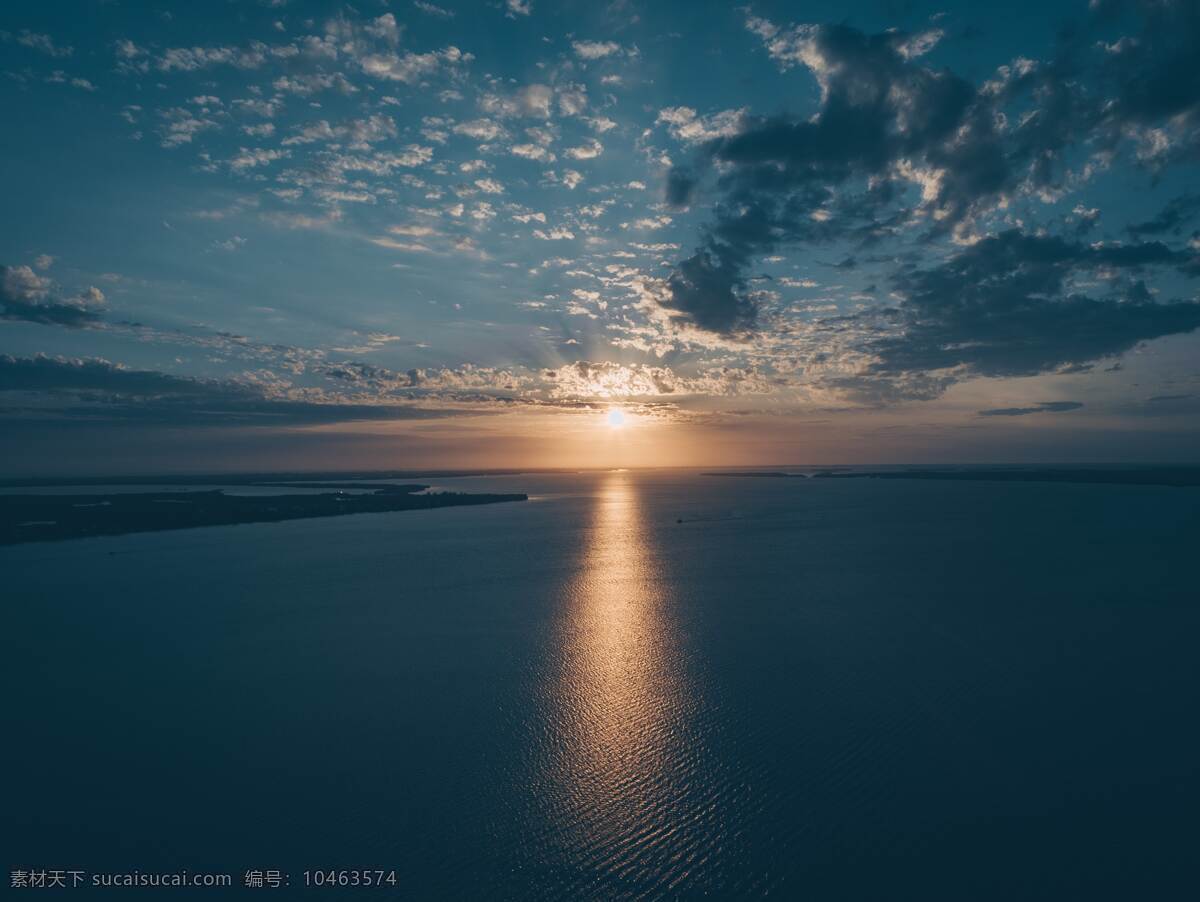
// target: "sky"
[[284, 235]]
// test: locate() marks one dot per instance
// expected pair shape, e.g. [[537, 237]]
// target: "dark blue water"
[[818, 689]]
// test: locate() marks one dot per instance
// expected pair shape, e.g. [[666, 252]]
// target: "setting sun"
[[616, 418]]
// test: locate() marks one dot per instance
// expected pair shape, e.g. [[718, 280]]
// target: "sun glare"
[[616, 418]]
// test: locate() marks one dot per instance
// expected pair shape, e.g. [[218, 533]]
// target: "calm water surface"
[[825, 689]]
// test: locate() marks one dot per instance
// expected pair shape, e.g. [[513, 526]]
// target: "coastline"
[[48, 518]]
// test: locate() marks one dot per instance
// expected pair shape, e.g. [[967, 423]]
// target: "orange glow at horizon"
[[581, 438]]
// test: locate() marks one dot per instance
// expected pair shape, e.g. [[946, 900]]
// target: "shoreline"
[[53, 518]]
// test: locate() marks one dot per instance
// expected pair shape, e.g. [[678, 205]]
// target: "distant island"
[[40, 518], [1166, 476]]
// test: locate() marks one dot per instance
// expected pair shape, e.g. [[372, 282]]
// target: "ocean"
[[636, 685]]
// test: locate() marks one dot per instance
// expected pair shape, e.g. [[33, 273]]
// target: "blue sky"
[[403, 233]]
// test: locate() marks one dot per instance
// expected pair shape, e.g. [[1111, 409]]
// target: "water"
[[819, 689]]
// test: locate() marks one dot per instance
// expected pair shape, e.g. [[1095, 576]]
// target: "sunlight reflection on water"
[[622, 770]]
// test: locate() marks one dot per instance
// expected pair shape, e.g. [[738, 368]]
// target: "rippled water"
[[834, 689]]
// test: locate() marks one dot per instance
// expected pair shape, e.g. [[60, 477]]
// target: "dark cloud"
[[1170, 219], [48, 374], [680, 186], [1041, 407], [26, 296], [1152, 74], [707, 289], [879, 107], [51, 314], [46, 388], [1005, 307], [891, 126]]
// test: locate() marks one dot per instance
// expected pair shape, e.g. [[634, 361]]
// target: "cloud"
[[600, 124], [479, 129], [305, 84], [605, 379], [424, 381], [253, 157], [384, 28], [413, 231], [590, 149], [334, 166], [409, 67], [704, 289], [408, 246], [287, 220], [920, 43], [555, 234], [94, 374], [877, 108], [190, 59], [531, 101], [433, 10], [684, 125], [531, 152], [1008, 306], [1151, 88], [649, 222], [886, 124], [44, 44], [518, 7], [573, 100], [482, 212], [130, 57], [24, 295], [1170, 219], [1041, 407], [357, 133], [594, 50], [180, 126], [91, 389]]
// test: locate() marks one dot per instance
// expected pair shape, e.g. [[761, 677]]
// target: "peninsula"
[[34, 518]]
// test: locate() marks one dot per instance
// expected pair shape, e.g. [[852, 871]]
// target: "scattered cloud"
[[595, 50], [43, 43], [433, 9], [588, 150], [685, 125]]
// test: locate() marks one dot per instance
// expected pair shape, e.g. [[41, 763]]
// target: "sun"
[[616, 418]]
